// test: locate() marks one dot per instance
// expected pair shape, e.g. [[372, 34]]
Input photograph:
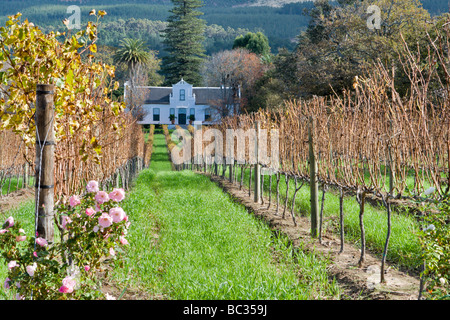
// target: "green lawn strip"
[[404, 247], [14, 185], [209, 247]]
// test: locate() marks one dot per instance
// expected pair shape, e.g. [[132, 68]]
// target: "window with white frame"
[[182, 95], [156, 114], [208, 114]]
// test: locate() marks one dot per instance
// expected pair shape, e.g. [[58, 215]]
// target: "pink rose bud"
[[42, 242], [123, 240], [87, 268]]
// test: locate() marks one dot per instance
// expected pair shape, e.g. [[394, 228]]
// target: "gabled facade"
[[181, 100]]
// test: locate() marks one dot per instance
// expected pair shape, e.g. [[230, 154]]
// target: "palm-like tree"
[[134, 54]]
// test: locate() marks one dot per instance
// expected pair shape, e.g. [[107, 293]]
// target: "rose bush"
[[435, 242], [92, 227]]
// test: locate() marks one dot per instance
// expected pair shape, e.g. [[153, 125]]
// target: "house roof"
[[203, 95], [207, 95], [158, 95]]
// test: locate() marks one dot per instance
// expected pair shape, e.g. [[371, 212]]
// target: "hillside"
[[145, 18], [141, 20]]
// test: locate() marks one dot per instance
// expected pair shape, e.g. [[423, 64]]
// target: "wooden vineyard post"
[[313, 182], [257, 165], [45, 160], [25, 170], [390, 162]]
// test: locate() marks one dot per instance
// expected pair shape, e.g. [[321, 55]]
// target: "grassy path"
[[189, 240]]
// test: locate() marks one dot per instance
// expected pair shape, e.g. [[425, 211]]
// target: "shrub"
[[93, 228], [435, 241]]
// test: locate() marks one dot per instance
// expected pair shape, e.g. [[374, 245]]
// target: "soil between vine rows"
[[357, 283]]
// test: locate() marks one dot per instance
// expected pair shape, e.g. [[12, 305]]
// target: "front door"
[[182, 116]]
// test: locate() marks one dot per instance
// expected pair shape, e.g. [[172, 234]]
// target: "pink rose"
[[92, 186], [123, 240], [101, 197], [68, 285], [42, 242], [97, 208], [31, 269], [95, 229], [21, 238], [35, 254], [3, 231], [65, 221], [87, 268], [22, 231], [105, 220], [10, 222], [74, 201], [90, 211], [117, 214], [65, 289], [12, 264], [112, 252], [117, 195]]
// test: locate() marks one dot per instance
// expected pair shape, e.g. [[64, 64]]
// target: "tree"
[[254, 42], [183, 39], [338, 44], [134, 54], [235, 71], [82, 88]]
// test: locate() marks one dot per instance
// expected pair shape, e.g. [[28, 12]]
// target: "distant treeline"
[[146, 18], [281, 25]]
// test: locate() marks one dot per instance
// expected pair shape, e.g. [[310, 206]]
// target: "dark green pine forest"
[[139, 19]]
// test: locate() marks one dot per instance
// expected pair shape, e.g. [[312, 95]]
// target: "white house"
[[182, 100]]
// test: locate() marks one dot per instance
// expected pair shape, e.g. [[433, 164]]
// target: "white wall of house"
[[164, 111], [182, 103]]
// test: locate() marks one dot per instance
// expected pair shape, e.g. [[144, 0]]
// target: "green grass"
[[25, 214], [189, 240], [404, 247], [14, 185]]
